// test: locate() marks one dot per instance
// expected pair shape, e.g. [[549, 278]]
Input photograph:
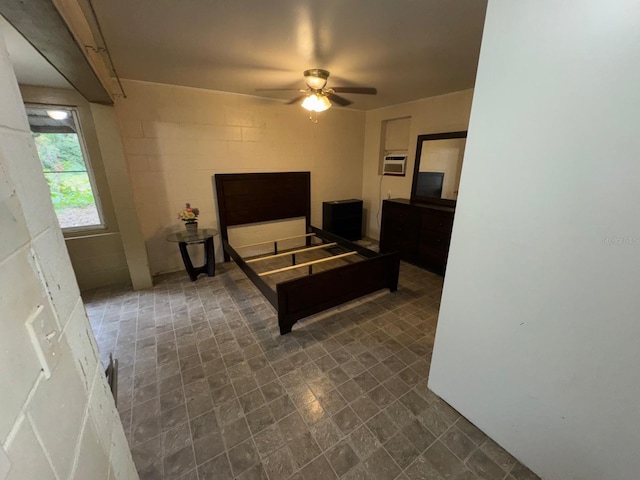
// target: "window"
[[66, 166]]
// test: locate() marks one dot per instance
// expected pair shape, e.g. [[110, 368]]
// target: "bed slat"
[[292, 252], [306, 264]]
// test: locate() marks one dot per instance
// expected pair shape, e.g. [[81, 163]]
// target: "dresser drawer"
[[420, 233], [400, 230], [434, 238], [433, 257], [400, 220], [437, 221]]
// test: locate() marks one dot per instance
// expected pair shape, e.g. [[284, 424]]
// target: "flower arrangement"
[[189, 215]]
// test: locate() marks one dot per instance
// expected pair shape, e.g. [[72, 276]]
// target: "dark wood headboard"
[[261, 197]]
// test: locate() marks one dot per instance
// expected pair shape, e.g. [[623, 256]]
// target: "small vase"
[[192, 228]]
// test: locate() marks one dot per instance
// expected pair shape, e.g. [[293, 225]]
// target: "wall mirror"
[[436, 174]]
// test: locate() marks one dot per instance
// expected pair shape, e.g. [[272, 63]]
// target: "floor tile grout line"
[[366, 334], [184, 394]]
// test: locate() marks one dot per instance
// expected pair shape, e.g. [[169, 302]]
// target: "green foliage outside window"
[[59, 152], [65, 170]]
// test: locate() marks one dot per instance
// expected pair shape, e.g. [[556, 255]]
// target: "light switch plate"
[[5, 464], [44, 335]]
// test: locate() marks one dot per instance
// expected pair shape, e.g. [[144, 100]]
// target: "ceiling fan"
[[317, 98]]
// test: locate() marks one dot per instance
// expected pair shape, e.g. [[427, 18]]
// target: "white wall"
[[115, 165], [65, 425], [98, 258], [177, 138], [537, 341], [444, 113]]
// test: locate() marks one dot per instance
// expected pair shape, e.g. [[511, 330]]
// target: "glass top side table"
[[202, 235]]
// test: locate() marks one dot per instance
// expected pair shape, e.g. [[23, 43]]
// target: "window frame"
[[75, 114]]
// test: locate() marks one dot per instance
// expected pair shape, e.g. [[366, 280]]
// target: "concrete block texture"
[[102, 411], [11, 214], [12, 114], [120, 185], [92, 460], [57, 409], [28, 460], [64, 426], [78, 335], [188, 135], [54, 265], [97, 255], [19, 155], [18, 301], [121, 462], [98, 260]]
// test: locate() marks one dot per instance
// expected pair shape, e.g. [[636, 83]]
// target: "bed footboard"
[[305, 296]]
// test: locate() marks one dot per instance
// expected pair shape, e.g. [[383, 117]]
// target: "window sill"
[[84, 232]]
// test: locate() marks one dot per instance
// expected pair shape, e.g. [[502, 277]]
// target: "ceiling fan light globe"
[[316, 103], [316, 83], [316, 78], [326, 104]]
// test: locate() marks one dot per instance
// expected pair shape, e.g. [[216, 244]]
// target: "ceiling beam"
[[42, 26]]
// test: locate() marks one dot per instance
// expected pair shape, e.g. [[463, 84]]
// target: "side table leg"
[[209, 257], [187, 261]]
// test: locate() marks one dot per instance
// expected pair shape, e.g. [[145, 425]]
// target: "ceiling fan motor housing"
[[316, 78]]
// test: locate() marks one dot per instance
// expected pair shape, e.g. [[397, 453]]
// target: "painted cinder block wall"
[[114, 254], [223, 132], [65, 426], [176, 138], [98, 257], [443, 113]]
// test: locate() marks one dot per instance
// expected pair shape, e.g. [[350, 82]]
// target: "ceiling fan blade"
[[296, 100], [343, 102], [360, 90], [277, 89]]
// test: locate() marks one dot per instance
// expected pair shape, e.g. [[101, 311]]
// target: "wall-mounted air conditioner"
[[394, 165]]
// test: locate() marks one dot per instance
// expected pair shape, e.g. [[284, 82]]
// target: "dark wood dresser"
[[420, 232]]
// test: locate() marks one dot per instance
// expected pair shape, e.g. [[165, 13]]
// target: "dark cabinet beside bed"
[[343, 217], [420, 232]]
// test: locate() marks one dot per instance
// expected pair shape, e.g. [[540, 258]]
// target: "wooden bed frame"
[[259, 197]]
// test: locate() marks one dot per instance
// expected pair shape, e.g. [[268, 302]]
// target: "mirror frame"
[[416, 168]]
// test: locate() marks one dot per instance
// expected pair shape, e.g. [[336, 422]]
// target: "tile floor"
[[208, 389]]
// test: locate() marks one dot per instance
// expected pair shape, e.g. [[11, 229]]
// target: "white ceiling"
[[30, 67], [407, 49]]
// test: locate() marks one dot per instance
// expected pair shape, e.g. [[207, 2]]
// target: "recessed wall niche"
[[394, 138]]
